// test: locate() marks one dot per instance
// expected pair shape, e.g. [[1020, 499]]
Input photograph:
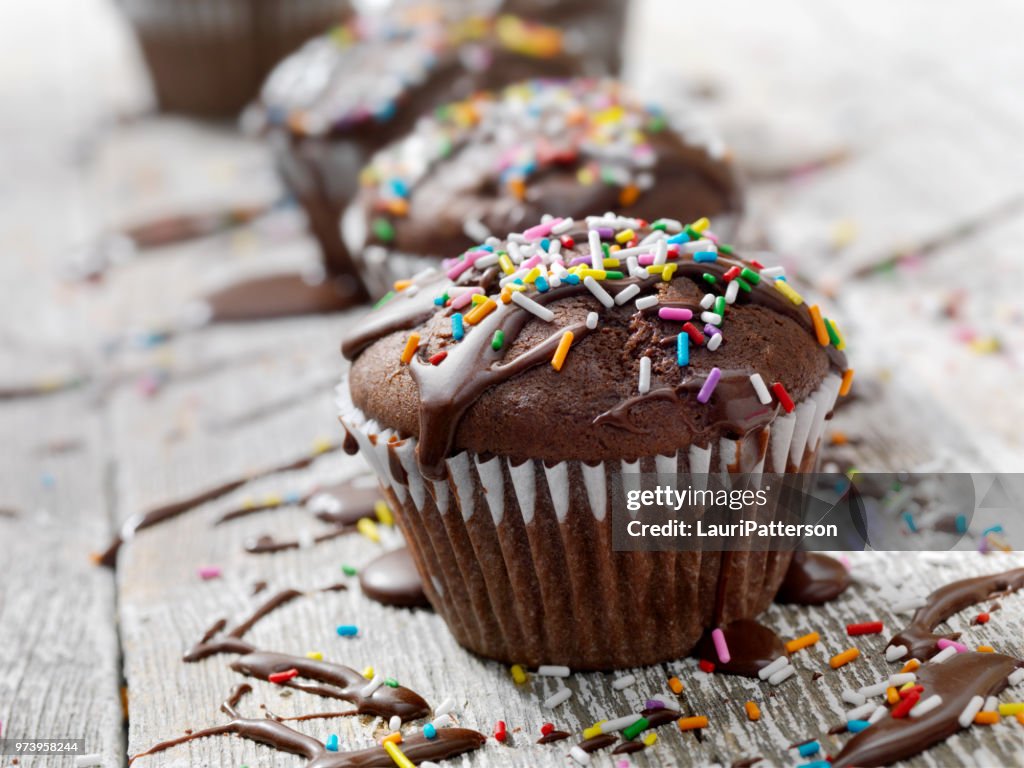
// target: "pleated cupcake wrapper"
[[518, 558], [229, 17]]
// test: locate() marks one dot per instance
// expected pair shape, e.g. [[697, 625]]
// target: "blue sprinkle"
[[909, 520], [682, 349], [993, 529], [856, 726], [488, 248], [458, 331], [332, 743], [817, 764], [440, 300], [572, 279], [48, 480], [292, 497], [399, 188], [705, 256], [682, 237], [430, 731], [542, 284], [961, 523], [386, 112], [519, 281], [545, 244], [348, 630], [808, 749]]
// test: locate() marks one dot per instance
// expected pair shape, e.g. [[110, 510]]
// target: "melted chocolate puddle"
[[751, 647], [919, 636], [276, 296], [449, 742], [813, 579], [957, 681], [392, 579]]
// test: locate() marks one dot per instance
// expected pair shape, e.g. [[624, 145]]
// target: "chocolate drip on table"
[[392, 579], [919, 637], [448, 742], [813, 579], [169, 511], [752, 646], [277, 296], [957, 681]]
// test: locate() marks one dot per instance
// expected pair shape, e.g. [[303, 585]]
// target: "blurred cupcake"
[[344, 95], [501, 399], [497, 164], [209, 57]]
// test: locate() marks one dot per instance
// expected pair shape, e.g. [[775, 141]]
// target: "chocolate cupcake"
[[344, 95], [501, 162], [209, 57], [501, 398]]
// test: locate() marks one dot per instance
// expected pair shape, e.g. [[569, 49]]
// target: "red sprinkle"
[[706, 666], [500, 733], [731, 274], [784, 399], [981, 618], [567, 242], [546, 729], [757, 263], [903, 708], [695, 335], [865, 628], [918, 689], [280, 677], [436, 359]]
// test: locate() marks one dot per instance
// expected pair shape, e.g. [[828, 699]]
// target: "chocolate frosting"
[[511, 402]]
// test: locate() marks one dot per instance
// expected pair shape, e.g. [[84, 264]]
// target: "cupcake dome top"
[[361, 73], [604, 339], [500, 161]]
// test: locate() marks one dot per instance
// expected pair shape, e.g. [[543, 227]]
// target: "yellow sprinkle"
[[476, 298], [611, 263], [842, 339], [753, 711], [692, 723], [905, 686], [786, 290], [401, 285], [323, 445], [518, 674], [597, 274], [650, 738], [892, 695], [625, 236], [411, 346], [819, 325], [532, 275], [563, 349], [804, 641], [368, 673], [986, 346], [368, 528], [986, 649], [480, 311], [700, 224], [656, 269], [384, 513], [248, 502], [592, 731], [585, 176], [675, 685], [506, 264], [910, 666], [668, 271], [843, 658], [610, 115], [273, 500], [1011, 708], [315, 655], [844, 388]]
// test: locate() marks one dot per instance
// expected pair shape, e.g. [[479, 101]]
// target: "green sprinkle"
[[498, 340], [726, 249], [349, 570], [383, 230], [833, 336], [634, 730], [656, 124], [744, 285], [708, 278], [720, 306], [660, 224], [613, 275], [391, 682], [384, 299], [750, 275], [693, 233]]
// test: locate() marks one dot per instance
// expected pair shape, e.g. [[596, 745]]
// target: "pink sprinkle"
[[209, 572], [675, 313], [465, 264], [645, 259], [721, 647], [531, 262], [709, 385], [463, 299], [946, 643], [541, 230]]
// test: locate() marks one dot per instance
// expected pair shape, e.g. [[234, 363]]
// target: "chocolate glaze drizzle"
[[449, 742], [274, 296], [813, 579], [751, 647], [919, 637], [392, 579]]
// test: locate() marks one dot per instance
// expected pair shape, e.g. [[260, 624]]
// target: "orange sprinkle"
[[480, 311], [401, 285], [844, 388], [892, 695], [843, 658], [628, 195], [839, 438], [986, 718], [986, 649], [506, 295], [563, 349], [819, 326], [410, 347], [753, 711], [1020, 717], [394, 736], [675, 685], [398, 207], [692, 723], [518, 188], [802, 642], [910, 666]]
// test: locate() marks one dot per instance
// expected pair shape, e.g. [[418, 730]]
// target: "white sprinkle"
[[661, 252], [895, 652], [324, 502], [647, 302], [763, 395], [926, 706], [554, 247], [910, 604], [626, 680], [619, 723], [645, 375], [446, 706], [708, 301], [306, 539], [700, 245], [731, 291], [395, 723], [514, 252], [878, 714], [513, 277], [973, 707], [852, 697], [991, 704], [592, 319], [861, 712], [711, 317], [442, 721], [563, 226], [902, 679], [873, 690], [715, 341], [531, 306], [773, 273], [375, 682], [600, 293], [558, 697], [767, 671], [944, 654], [484, 262], [672, 225], [783, 674], [596, 251], [1016, 677], [552, 671], [475, 230], [86, 761], [579, 756], [626, 294]]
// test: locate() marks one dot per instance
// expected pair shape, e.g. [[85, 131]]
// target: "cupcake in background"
[[209, 57], [497, 163], [327, 108], [501, 398]]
